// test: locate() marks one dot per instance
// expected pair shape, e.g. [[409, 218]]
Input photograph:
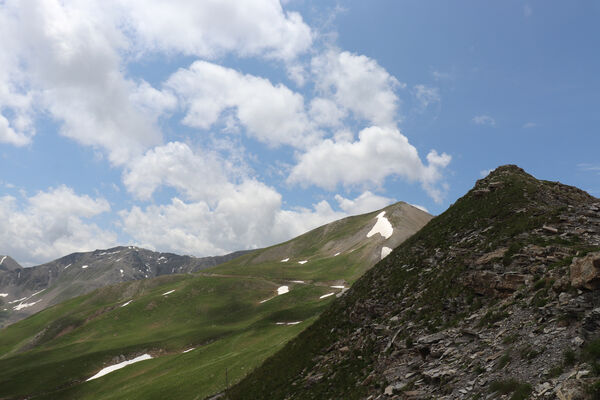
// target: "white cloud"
[[527, 10], [358, 84], [212, 28], [484, 120], [271, 113], [485, 172], [426, 95], [364, 203], [529, 125], [67, 58], [52, 224], [378, 153], [325, 112], [249, 217], [200, 175]]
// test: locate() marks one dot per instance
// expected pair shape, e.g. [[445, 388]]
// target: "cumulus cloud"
[[67, 58], [364, 203], [251, 216], [51, 224], [212, 28], [271, 113], [199, 175], [358, 84], [484, 120], [377, 154]]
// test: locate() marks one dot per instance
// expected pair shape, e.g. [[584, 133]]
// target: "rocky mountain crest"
[[495, 298]]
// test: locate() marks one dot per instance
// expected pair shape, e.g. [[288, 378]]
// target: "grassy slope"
[[50, 354], [497, 211]]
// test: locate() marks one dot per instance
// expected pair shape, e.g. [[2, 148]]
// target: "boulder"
[[585, 271]]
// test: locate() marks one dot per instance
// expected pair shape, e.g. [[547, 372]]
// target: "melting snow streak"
[[115, 367]]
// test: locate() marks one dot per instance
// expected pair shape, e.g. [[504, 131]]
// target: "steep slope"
[[232, 317], [341, 250], [497, 297], [26, 291]]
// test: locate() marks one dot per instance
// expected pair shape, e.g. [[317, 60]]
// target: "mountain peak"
[[450, 313]]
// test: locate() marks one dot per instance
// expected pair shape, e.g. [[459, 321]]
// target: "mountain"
[[8, 264], [25, 291], [498, 297], [196, 333]]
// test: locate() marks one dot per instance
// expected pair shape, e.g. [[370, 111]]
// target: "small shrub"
[[504, 360], [520, 390]]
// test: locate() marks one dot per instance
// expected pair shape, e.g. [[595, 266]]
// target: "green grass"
[[218, 312], [519, 390], [222, 317]]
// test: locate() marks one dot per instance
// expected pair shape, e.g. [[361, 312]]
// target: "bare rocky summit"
[[498, 297]]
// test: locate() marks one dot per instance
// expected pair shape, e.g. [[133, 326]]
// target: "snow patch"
[[282, 290], [297, 281], [382, 226], [285, 260], [3, 294], [326, 295], [385, 251], [84, 266], [20, 306], [336, 254], [16, 301], [188, 350], [36, 293], [124, 304], [67, 266], [121, 271], [288, 323], [169, 292], [265, 300], [120, 365], [302, 262], [3, 258], [338, 287]]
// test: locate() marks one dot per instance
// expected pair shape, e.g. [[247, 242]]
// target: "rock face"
[[26, 291], [482, 303], [585, 271]]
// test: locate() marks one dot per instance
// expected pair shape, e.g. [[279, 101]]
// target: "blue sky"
[[203, 128]]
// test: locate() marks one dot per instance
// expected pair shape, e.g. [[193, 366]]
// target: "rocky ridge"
[[495, 298], [26, 291]]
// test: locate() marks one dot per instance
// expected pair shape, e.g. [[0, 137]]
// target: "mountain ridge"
[[29, 290], [449, 313]]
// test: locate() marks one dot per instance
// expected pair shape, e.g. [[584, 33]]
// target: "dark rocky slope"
[[495, 298], [25, 291]]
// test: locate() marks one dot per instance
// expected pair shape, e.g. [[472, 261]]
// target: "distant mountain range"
[[25, 291], [185, 335]]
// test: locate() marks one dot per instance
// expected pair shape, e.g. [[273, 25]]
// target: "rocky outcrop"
[[585, 271]]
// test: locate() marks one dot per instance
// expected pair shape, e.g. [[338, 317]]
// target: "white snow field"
[[382, 226], [302, 262], [326, 295], [120, 365], [3, 294], [169, 292], [84, 266], [3, 258], [285, 260], [385, 251], [282, 290], [125, 304]]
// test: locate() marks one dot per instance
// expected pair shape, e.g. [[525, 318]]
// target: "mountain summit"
[[497, 296]]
